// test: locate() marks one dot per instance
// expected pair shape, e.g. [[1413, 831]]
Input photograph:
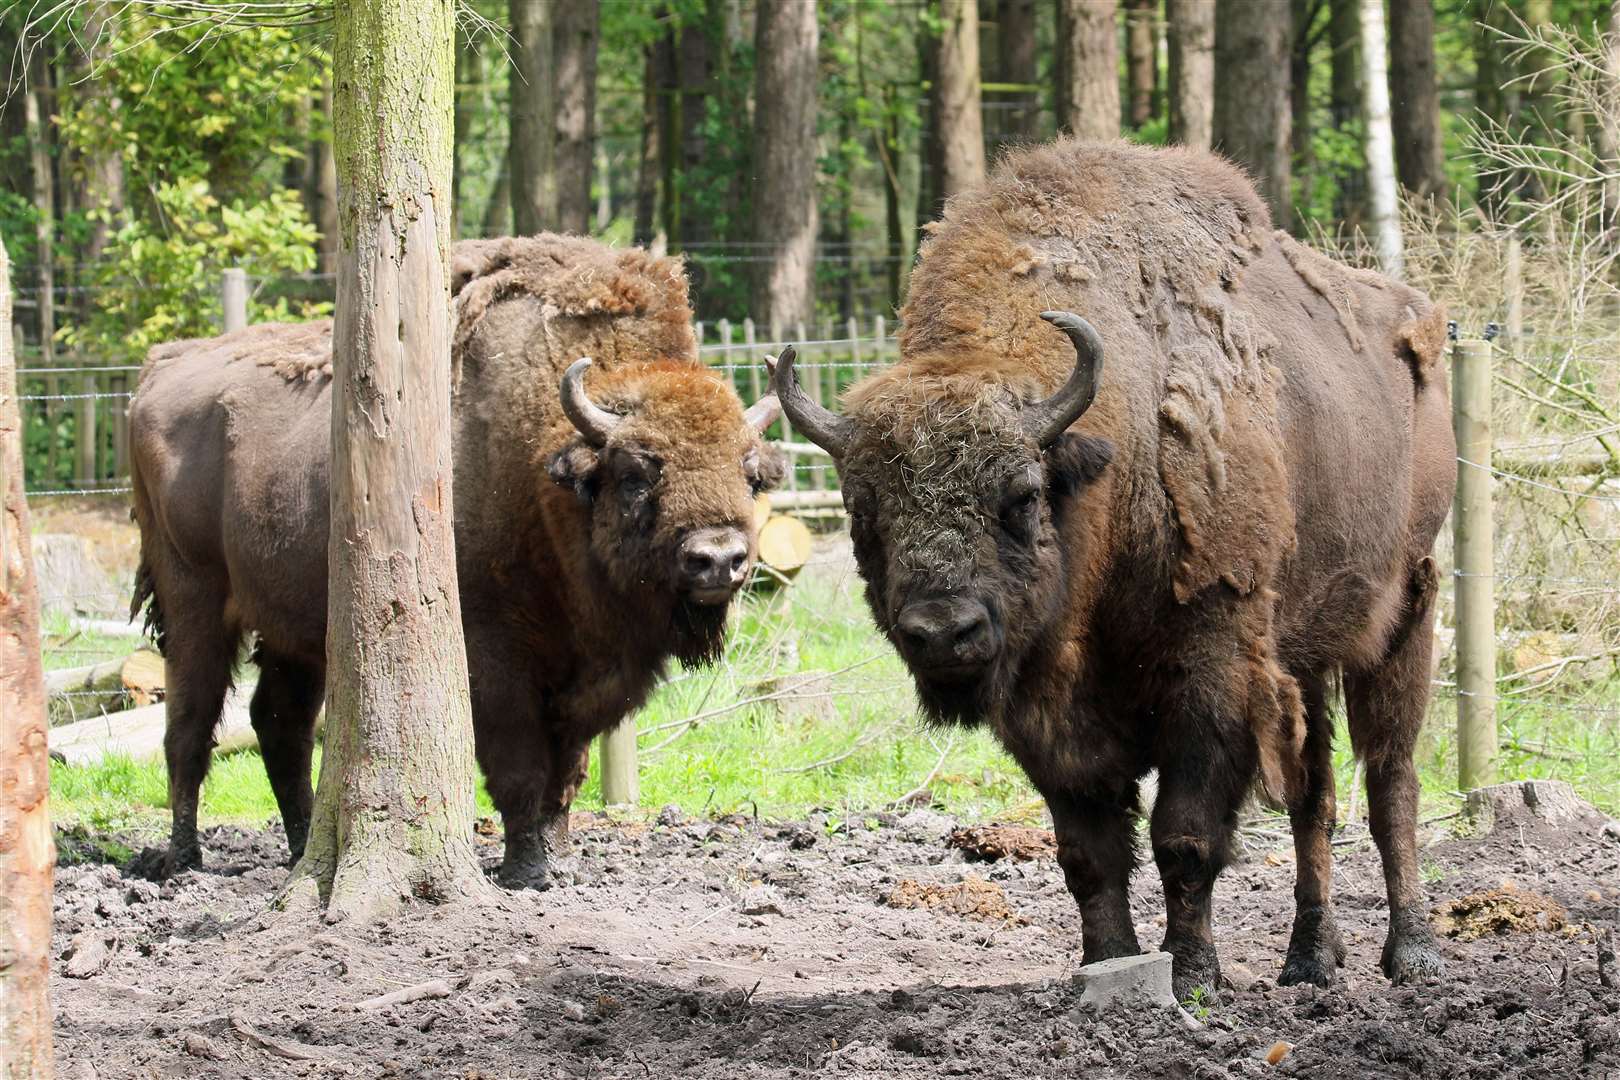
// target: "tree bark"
[[577, 33], [1301, 133], [469, 71], [1251, 97], [1608, 122], [103, 164], [1490, 98], [694, 61], [1415, 104], [785, 219], [1192, 72], [1344, 104], [1088, 38], [27, 850], [532, 151], [657, 87], [1380, 139], [394, 808], [326, 218], [1142, 60], [39, 155], [957, 98], [1016, 63]]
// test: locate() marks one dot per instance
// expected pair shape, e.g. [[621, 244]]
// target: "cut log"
[[76, 693], [784, 545], [138, 733], [142, 676]]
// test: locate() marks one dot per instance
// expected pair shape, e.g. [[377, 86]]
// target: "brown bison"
[[1165, 561], [603, 517]]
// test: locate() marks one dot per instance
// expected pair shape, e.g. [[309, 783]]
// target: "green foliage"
[[183, 98], [160, 278]]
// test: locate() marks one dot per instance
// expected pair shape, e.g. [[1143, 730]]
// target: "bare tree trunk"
[[1251, 97], [1142, 60], [961, 122], [1415, 96], [785, 43], [1017, 64], [1088, 39], [1490, 97], [326, 219], [394, 808], [930, 155], [658, 73], [39, 154], [1344, 104], [533, 146], [469, 71], [1192, 72], [103, 164], [1380, 138], [1608, 121], [1299, 93], [27, 850], [577, 32], [694, 62]]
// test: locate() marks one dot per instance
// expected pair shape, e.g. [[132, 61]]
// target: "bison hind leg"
[[1315, 948], [283, 711], [1386, 703]]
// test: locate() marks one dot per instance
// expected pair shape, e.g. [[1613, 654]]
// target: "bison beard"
[[700, 633], [1281, 463]]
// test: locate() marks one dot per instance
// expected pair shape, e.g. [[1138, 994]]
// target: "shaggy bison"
[[603, 516], [1164, 561]]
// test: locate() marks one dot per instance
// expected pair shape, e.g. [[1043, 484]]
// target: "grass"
[[732, 738], [68, 646]]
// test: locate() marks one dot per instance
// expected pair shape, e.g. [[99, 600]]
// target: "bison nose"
[[951, 633], [711, 564]]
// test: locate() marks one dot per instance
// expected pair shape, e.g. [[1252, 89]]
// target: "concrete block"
[[1127, 980]]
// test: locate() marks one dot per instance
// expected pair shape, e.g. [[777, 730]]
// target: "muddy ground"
[[735, 948]]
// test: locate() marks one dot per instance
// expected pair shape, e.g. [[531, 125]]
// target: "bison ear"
[[770, 469], [575, 467], [1074, 461]]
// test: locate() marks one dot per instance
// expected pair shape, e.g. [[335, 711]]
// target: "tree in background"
[[27, 850], [1380, 139], [958, 118], [1142, 61], [533, 141], [393, 814], [576, 34], [1251, 122], [1415, 99], [1192, 71], [1088, 93], [1017, 62], [785, 45]]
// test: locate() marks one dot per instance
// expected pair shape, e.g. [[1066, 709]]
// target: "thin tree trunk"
[[786, 39], [39, 155], [695, 64], [654, 109], [1490, 99], [1088, 38], [577, 32], [961, 121], [469, 72], [930, 150], [1299, 93], [27, 850], [533, 146], [1344, 105], [1608, 121], [1251, 97], [326, 219], [1415, 99], [1380, 139], [1017, 64], [394, 808], [103, 164], [1142, 60], [1192, 71]]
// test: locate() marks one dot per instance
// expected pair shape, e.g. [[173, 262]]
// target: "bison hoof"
[[1315, 950], [521, 871], [1195, 973], [159, 864], [1411, 957]]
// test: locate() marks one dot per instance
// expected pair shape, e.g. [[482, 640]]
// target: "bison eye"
[[1018, 509]]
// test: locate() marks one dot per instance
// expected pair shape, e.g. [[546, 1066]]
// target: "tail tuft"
[[146, 597]]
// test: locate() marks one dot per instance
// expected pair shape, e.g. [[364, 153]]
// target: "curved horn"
[[1046, 420], [826, 429], [763, 413], [593, 421]]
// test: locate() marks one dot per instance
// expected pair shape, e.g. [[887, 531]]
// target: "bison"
[[604, 517], [1168, 561]]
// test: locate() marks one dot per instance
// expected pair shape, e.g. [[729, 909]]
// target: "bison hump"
[[1221, 460]]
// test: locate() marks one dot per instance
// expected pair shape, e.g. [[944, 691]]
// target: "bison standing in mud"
[[1164, 561], [603, 517]]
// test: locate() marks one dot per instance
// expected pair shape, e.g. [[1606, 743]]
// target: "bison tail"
[[146, 597]]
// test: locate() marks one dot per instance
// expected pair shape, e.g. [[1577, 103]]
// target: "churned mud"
[[734, 948]]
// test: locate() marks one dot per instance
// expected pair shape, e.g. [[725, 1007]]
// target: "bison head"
[[956, 485], [667, 464]]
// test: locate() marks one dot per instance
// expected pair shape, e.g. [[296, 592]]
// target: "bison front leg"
[[533, 791], [1315, 949], [1096, 849], [1201, 786]]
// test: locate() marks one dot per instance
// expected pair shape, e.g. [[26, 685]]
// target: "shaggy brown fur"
[[1244, 513], [567, 552]]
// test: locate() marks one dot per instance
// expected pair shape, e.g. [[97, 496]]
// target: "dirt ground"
[[735, 948]]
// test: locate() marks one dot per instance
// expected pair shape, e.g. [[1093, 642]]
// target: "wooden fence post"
[[616, 753], [1474, 575], [234, 296], [86, 435]]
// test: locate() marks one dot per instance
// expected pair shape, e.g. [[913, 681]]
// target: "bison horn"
[[593, 421], [763, 413], [826, 429], [1046, 420]]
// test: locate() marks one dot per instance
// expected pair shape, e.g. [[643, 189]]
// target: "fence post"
[[1475, 582], [1515, 295], [616, 750], [234, 295], [86, 435]]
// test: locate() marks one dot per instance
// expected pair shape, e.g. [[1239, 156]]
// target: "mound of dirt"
[[987, 843], [972, 896], [1499, 911]]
